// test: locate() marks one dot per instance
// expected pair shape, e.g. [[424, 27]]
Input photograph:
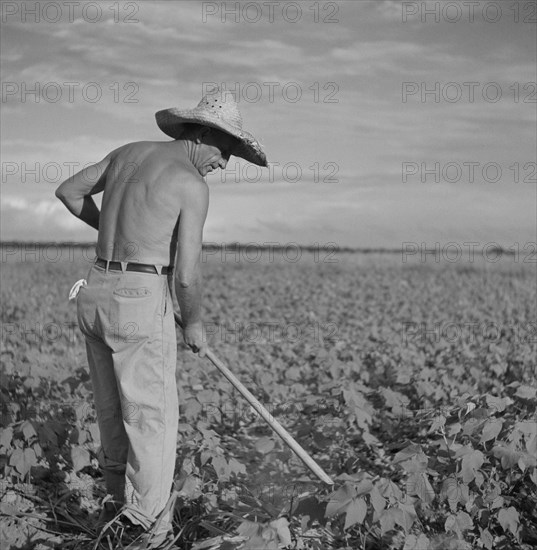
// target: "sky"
[[383, 122]]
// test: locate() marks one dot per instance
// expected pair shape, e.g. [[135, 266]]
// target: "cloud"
[[349, 215], [15, 203], [350, 115], [38, 220]]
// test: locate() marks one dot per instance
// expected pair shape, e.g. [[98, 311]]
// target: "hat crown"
[[217, 109], [221, 104]]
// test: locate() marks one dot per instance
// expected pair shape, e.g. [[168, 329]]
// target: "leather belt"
[[131, 266]]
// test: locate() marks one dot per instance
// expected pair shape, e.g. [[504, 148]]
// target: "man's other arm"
[[76, 192], [188, 279]]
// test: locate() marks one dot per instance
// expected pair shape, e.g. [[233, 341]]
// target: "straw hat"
[[218, 109]]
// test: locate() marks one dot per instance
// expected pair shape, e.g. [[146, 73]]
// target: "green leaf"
[[340, 500], [190, 487], [529, 430], [218, 543], [360, 407], [454, 429], [397, 402], [407, 517], [259, 536], [471, 462], [363, 487], [487, 539], [412, 542], [438, 422], [494, 491], [48, 436], [473, 423], [28, 430], [464, 521], [282, 528], [265, 445], [22, 460], [80, 457], [248, 529], [220, 466], [509, 519], [497, 404], [370, 439], [377, 500], [458, 524], [418, 484], [95, 434], [390, 490], [451, 490], [356, 512], [387, 520], [6, 437], [498, 502], [192, 409], [526, 392], [407, 453], [261, 542], [83, 437], [83, 411], [236, 467], [417, 464], [491, 429], [508, 456], [527, 461]]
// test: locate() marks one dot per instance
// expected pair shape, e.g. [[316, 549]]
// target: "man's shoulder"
[[180, 176], [158, 158], [136, 147], [178, 169]]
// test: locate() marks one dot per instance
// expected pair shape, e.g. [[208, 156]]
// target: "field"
[[413, 384]]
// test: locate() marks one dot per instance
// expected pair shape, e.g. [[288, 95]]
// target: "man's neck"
[[190, 148]]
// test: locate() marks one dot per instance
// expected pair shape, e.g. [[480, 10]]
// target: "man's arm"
[[76, 191], [187, 279]]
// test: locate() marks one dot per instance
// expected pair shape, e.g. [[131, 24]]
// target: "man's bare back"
[[145, 187]]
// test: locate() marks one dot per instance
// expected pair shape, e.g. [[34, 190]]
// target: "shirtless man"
[[150, 226]]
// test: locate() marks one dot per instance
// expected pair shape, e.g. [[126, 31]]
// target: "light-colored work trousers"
[[127, 319]]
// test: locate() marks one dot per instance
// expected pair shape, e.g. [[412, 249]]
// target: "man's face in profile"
[[215, 149]]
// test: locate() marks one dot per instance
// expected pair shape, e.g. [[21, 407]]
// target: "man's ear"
[[203, 131]]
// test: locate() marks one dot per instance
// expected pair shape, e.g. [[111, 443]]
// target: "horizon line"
[[235, 245]]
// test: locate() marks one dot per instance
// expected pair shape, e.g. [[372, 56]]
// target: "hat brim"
[[171, 122]]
